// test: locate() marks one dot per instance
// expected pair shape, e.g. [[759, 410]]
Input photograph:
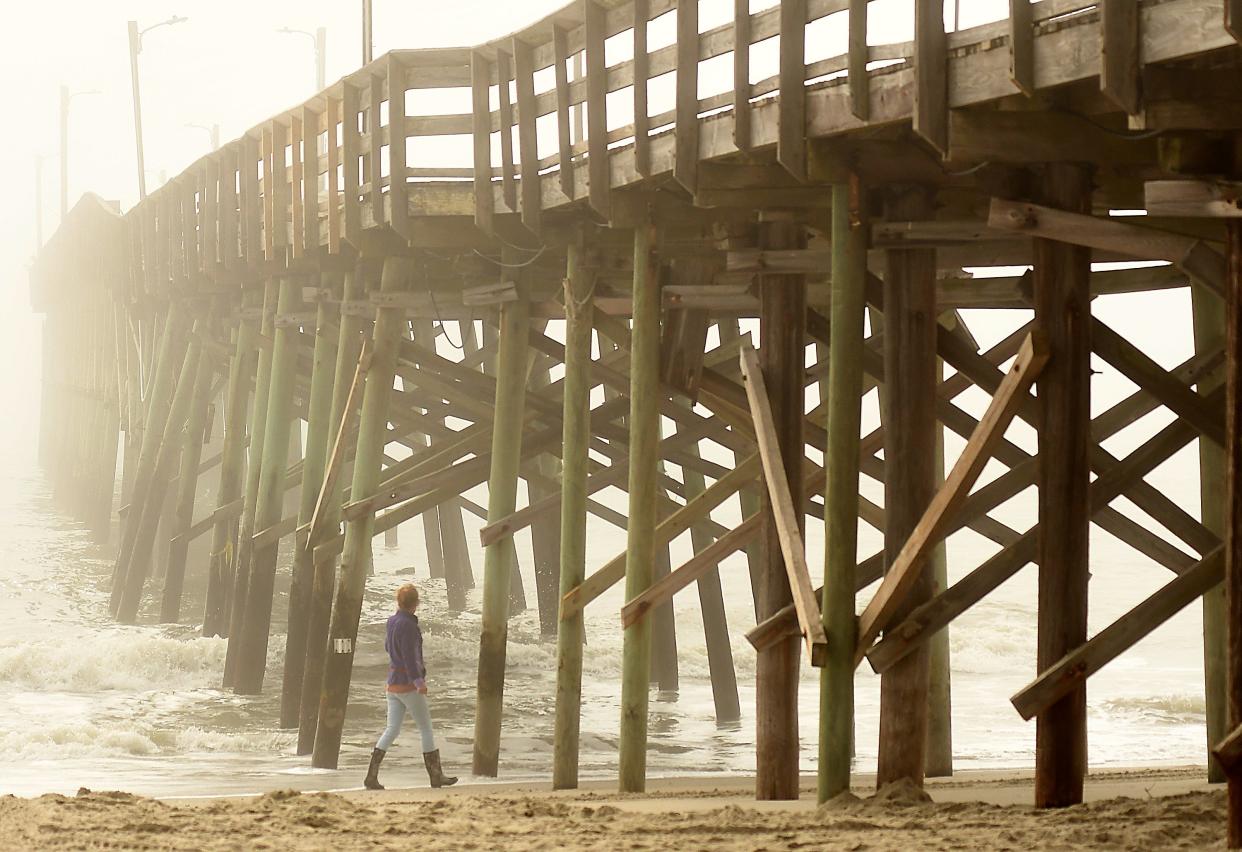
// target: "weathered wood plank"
[[949, 499], [398, 189], [792, 129], [931, 72], [783, 511], [332, 117], [1191, 255], [1021, 46], [375, 92], [598, 178], [1075, 667], [560, 51], [484, 198], [508, 183], [528, 136], [310, 182], [672, 526], [351, 153], [741, 74], [642, 70], [1194, 198], [859, 81], [1120, 77], [1131, 362]]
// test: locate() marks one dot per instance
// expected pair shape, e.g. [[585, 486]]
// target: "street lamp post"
[[66, 97], [212, 131], [320, 38], [368, 33], [135, 48]]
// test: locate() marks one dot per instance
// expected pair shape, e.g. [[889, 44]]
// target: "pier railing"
[[509, 127]]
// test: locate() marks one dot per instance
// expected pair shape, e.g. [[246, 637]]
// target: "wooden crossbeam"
[[1229, 751], [1193, 256], [905, 570], [698, 565], [782, 508], [1075, 667], [336, 461], [930, 617], [1146, 373], [1193, 198], [668, 529]]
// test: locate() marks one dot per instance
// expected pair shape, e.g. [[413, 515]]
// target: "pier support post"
[[782, 358], [163, 382], [909, 483], [221, 565], [258, 423], [500, 558], [576, 437], [1209, 330], [640, 540], [939, 690], [318, 436], [187, 491], [1233, 506], [356, 556], [319, 609], [149, 511], [1063, 314], [270, 497], [836, 694]]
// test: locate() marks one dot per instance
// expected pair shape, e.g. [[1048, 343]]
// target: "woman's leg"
[[417, 702], [396, 711]]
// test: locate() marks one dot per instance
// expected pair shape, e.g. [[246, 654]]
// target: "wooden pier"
[[650, 201]]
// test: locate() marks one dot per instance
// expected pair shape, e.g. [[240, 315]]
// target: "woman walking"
[[407, 690]]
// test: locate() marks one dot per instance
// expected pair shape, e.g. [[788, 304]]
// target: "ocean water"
[[85, 702]]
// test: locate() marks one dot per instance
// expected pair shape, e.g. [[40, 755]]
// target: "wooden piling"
[[499, 559], [269, 500], [356, 556], [318, 436], [1063, 313], [1233, 509], [579, 319], [644, 425], [909, 483], [939, 690], [232, 475], [159, 401], [187, 491], [319, 606], [257, 431], [849, 277], [782, 354], [150, 510], [711, 605], [1209, 332]]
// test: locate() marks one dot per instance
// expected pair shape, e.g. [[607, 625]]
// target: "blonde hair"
[[407, 596]]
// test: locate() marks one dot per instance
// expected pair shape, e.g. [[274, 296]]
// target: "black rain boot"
[[434, 772], [371, 782]]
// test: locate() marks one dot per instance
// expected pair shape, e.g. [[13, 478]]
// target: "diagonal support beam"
[[804, 600], [949, 499], [1075, 667]]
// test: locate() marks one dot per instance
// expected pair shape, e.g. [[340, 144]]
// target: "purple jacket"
[[404, 644]]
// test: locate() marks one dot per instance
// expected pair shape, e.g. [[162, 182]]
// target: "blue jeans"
[[416, 703]]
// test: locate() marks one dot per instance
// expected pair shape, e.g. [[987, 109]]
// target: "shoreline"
[[1139, 808]]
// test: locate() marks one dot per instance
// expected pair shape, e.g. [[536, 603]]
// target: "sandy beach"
[[1139, 810]]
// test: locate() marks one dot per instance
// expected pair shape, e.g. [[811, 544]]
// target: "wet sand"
[[1141, 809]]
